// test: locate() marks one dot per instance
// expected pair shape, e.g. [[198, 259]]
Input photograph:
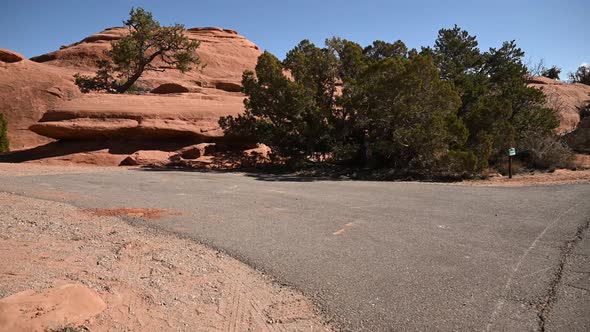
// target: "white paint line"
[[276, 191], [536, 272], [515, 269]]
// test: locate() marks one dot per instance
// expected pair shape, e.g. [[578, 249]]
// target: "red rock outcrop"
[[167, 88], [197, 150], [110, 116], [224, 52], [9, 56], [565, 98], [30, 88], [154, 158], [27, 90]]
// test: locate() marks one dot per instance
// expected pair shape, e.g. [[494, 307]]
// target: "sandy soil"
[[148, 281], [560, 176]]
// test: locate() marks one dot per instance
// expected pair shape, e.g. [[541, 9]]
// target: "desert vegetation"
[[581, 75], [446, 110], [134, 54], [552, 73], [4, 144], [585, 109]]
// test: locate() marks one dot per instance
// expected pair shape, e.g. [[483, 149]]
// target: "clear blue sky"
[[554, 30]]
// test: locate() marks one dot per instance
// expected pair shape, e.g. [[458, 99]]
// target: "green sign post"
[[511, 152]]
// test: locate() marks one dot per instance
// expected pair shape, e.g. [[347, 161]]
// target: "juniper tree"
[[4, 146], [552, 73], [582, 75], [134, 54]]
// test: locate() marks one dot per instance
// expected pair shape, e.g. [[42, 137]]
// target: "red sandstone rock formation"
[[224, 52], [565, 98], [9, 56], [117, 116], [30, 88], [27, 90]]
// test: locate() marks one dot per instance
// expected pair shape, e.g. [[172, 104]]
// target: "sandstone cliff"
[[29, 88]]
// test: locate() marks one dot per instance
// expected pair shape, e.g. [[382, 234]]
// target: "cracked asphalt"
[[375, 256]]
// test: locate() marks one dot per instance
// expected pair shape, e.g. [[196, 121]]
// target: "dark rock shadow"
[[118, 147]]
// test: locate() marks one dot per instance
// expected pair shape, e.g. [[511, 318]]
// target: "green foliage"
[[450, 110], [545, 152], [458, 164], [552, 73], [497, 104], [457, 54], [4, 145], [134, 54], [280, 112], [102, 81], [380, 50], [405, 112], [392, 111], [585, 109], [582, 75]]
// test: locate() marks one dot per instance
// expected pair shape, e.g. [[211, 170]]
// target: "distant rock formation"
[[565, 98], [9, 56], [224, 52]]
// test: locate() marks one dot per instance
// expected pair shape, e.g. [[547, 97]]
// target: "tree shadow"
[[266, 174]]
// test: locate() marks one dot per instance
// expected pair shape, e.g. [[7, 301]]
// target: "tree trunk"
[[123, 88], [140, 70]]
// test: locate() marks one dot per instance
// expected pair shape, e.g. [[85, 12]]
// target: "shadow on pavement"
[[257, 175]]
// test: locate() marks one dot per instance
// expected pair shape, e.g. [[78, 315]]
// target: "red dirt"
[[149, 281], [144, 213]]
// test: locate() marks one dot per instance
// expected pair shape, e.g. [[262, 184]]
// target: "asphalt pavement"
[[375, 256]]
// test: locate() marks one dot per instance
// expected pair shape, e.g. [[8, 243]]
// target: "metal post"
[[510, 167]]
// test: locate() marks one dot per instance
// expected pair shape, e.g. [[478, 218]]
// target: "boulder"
[[9, 56], [170, 88], [27, 90], [257, 156], [70, 304], [261, 150], [196, 151], [154, 158]]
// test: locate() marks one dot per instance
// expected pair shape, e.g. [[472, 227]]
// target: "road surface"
[[375, 256]]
